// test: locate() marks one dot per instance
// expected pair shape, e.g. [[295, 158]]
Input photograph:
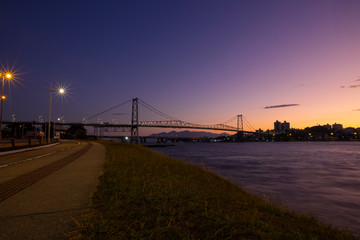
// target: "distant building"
[[349, 130], [285, 126], [281, 127], [327, 126], [337, 127], [277, 126]]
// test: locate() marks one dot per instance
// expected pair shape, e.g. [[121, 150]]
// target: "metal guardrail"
[[16, 143]]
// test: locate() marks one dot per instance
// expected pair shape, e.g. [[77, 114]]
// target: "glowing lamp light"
[[7, 75], [61, 90]]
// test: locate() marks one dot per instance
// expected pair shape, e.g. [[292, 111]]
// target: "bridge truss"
[[170, 122], [105, 128]]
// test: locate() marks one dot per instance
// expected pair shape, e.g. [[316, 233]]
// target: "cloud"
[[356, 110], [281, 106], [354, 85], [301, 85]]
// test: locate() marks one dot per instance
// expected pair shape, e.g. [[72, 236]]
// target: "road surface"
[[44, 191]]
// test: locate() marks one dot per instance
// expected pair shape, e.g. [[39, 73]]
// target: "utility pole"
[[135, 121], [51, 90]]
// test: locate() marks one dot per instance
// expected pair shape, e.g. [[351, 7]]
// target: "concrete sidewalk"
[[48, 208]]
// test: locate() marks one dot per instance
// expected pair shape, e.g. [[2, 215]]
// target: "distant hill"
[[189, 134]]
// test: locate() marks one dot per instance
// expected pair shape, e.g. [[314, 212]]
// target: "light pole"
[[7, 76], [60, 91]]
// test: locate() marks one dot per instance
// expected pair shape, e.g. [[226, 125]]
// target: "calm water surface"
[[320, 178]]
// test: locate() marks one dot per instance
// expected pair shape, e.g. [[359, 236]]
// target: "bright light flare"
[[10, 74], [3, 97], [7, 75], [62, 89]]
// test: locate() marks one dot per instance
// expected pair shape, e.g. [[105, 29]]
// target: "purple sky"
[[199, 61]]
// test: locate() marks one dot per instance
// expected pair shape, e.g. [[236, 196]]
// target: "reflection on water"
[[320, 178]]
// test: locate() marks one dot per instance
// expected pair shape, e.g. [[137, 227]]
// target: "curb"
[[27, 149]]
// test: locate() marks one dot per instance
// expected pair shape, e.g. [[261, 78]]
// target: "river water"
[[319, 178]]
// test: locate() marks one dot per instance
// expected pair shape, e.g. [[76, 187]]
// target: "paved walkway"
[[47, 209]]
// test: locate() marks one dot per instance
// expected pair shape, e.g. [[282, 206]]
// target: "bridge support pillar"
[[240, 128], [135, 121]]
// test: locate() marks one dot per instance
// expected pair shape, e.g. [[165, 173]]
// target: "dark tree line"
[[75, 132]]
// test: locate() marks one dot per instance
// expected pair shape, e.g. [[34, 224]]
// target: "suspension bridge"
[[170, 122], [105, 127]]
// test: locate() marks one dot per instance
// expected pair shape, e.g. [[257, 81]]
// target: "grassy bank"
[[145, 195]]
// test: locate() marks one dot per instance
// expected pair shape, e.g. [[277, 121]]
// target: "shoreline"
[[154, 196]]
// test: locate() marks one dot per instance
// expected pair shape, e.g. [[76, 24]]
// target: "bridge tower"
[[240, 127], [240, 123], [135, 121]]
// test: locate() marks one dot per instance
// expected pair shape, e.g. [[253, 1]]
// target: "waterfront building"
[[281, 127], [349, 130], [285, 126], [337, 127], [277, 126]]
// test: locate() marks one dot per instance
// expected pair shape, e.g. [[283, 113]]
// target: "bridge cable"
[[153, 109], [108, 110], [166, 115], [249, 125], [230, 120], [157, 111]]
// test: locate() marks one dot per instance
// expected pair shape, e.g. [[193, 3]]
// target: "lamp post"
[[60, 91], [7, 76]]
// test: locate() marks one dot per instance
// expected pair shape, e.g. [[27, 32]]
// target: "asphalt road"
[[48, 207]]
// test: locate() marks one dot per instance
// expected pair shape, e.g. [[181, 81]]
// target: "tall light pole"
[[7, 76], [60, 91]]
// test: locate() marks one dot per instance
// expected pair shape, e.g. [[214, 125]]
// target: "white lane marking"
[[29, 159]]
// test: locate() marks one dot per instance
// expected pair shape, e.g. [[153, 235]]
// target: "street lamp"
[[4, 76], [60, 91]]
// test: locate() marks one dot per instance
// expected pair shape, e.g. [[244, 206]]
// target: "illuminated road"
[[41, 191]]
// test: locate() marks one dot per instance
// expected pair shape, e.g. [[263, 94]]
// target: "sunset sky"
[[199, 61]]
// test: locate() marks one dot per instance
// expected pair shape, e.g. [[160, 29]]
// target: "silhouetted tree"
[[75, 131]]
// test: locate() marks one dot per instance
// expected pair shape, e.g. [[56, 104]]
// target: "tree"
[[75, 131]]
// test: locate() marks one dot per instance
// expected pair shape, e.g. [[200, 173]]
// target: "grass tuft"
[[146, 195]]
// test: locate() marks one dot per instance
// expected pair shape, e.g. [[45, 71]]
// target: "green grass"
[[145, 195]]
